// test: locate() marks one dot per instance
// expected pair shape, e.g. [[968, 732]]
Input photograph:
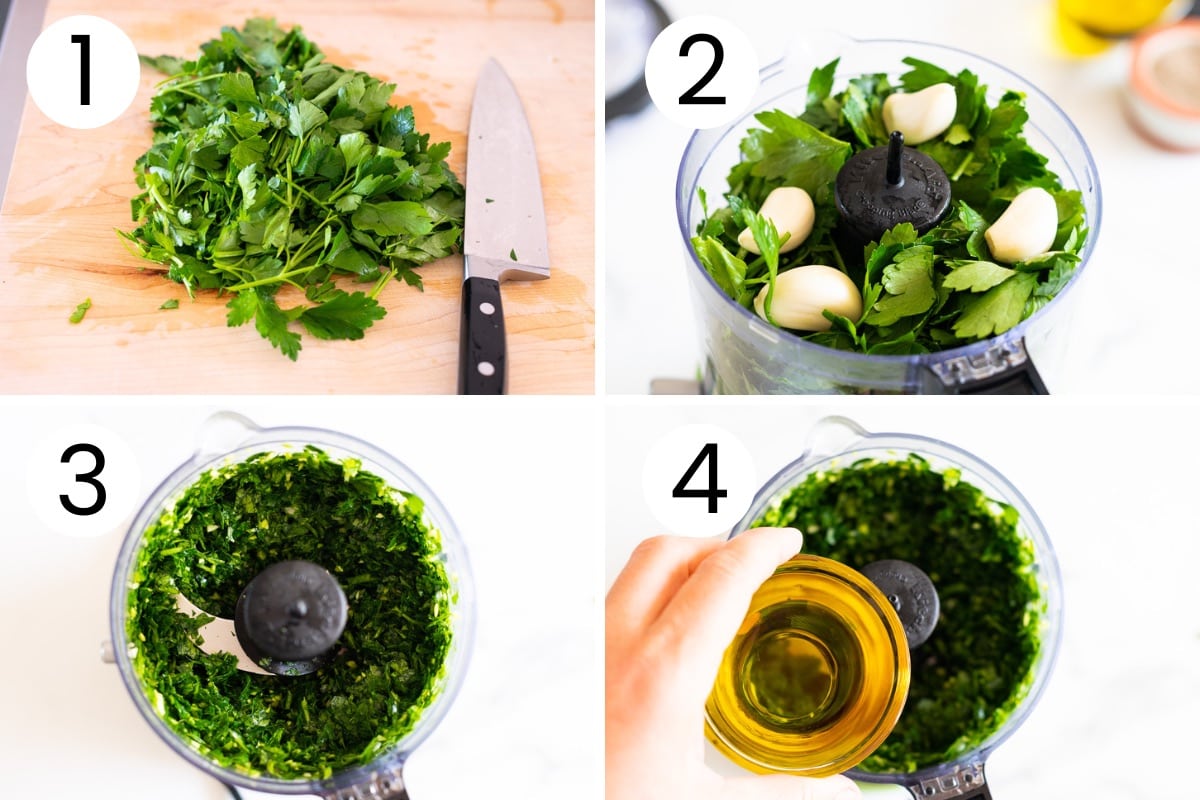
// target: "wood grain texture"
[[69, 189]]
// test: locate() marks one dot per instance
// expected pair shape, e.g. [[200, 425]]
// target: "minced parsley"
[[977, 666], [225, 528]]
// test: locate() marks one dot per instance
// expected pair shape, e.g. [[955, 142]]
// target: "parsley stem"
[[966, 162], [190, 82]]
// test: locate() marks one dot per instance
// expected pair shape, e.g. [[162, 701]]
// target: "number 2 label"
[[701, 72]]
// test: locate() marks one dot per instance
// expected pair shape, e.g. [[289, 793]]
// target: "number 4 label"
[[697, 480], [711, 492], [701, 72]]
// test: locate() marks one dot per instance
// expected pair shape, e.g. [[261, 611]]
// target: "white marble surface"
[[521, 489], [1114, 485], [1126, 337]]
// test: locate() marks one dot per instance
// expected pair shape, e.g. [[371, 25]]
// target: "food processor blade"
[[218, 636]]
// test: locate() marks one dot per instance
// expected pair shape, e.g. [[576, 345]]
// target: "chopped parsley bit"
[[81, 309], [512, 254], [172, 303]]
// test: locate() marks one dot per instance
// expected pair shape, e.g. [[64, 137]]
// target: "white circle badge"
[[701, 71], [83, 480], [698, 480], [83, 72]]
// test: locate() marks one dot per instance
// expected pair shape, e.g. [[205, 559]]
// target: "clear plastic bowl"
[[837, 442], [229, 438], [745, 355]]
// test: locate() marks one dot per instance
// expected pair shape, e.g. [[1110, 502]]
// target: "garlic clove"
[[922, 115], [1026, 228], [801, 294], [791, 210]]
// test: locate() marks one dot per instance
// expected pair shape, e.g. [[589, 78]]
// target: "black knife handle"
[[481, 348]]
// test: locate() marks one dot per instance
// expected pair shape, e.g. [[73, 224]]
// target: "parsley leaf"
[[976, 276], [909, 284], [342, 316], [1000, 308]]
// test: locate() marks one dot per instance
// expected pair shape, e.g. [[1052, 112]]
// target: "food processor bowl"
[[228, 438], [837, 443], [745, 355]]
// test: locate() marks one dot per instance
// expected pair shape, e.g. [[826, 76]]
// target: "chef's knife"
[[504, 237]]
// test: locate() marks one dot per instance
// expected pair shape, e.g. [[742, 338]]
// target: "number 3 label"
[[698, 480], [83, 480], [701, 72], [88, 477]]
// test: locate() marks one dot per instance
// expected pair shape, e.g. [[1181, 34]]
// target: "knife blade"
[[504, 235]]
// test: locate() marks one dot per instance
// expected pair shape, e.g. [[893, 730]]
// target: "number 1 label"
[[83, 72], [85, 56]]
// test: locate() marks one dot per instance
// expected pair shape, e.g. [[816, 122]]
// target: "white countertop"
[[527, 720], [1114, 486], [1126, 337]]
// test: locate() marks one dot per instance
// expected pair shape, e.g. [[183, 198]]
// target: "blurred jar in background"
[[1090, 26]]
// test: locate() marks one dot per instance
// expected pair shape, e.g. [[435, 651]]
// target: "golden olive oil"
[[815, 678], [1086, 27]]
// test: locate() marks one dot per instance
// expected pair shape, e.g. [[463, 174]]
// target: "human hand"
[[668, 619]]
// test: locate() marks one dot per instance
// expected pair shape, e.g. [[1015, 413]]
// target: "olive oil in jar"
[[815, 678]]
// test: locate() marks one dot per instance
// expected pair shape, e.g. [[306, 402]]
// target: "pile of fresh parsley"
[[920, 293], [273, 168]]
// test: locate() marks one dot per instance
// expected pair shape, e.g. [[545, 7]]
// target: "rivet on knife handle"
[[481, 354]]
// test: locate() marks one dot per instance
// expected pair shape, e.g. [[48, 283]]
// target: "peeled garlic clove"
[[801, 294], [791, 210], [1025, 229], [922, 115]]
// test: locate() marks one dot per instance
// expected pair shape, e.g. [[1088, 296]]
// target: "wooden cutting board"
[[69, 189]]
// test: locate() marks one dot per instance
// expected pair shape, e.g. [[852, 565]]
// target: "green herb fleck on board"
[[172, 303], [81, 309], [488, 200], [512, 254], [228, 525]]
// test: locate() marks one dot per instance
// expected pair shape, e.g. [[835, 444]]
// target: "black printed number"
[[689, 98], [88, 477], [711, 492], [85, 67]]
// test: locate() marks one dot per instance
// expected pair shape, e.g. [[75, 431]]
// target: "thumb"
[[790, 787]]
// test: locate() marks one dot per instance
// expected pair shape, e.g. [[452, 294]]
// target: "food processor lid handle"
[[911, 593], [962, 782], [289, 617], [1006, 369]]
